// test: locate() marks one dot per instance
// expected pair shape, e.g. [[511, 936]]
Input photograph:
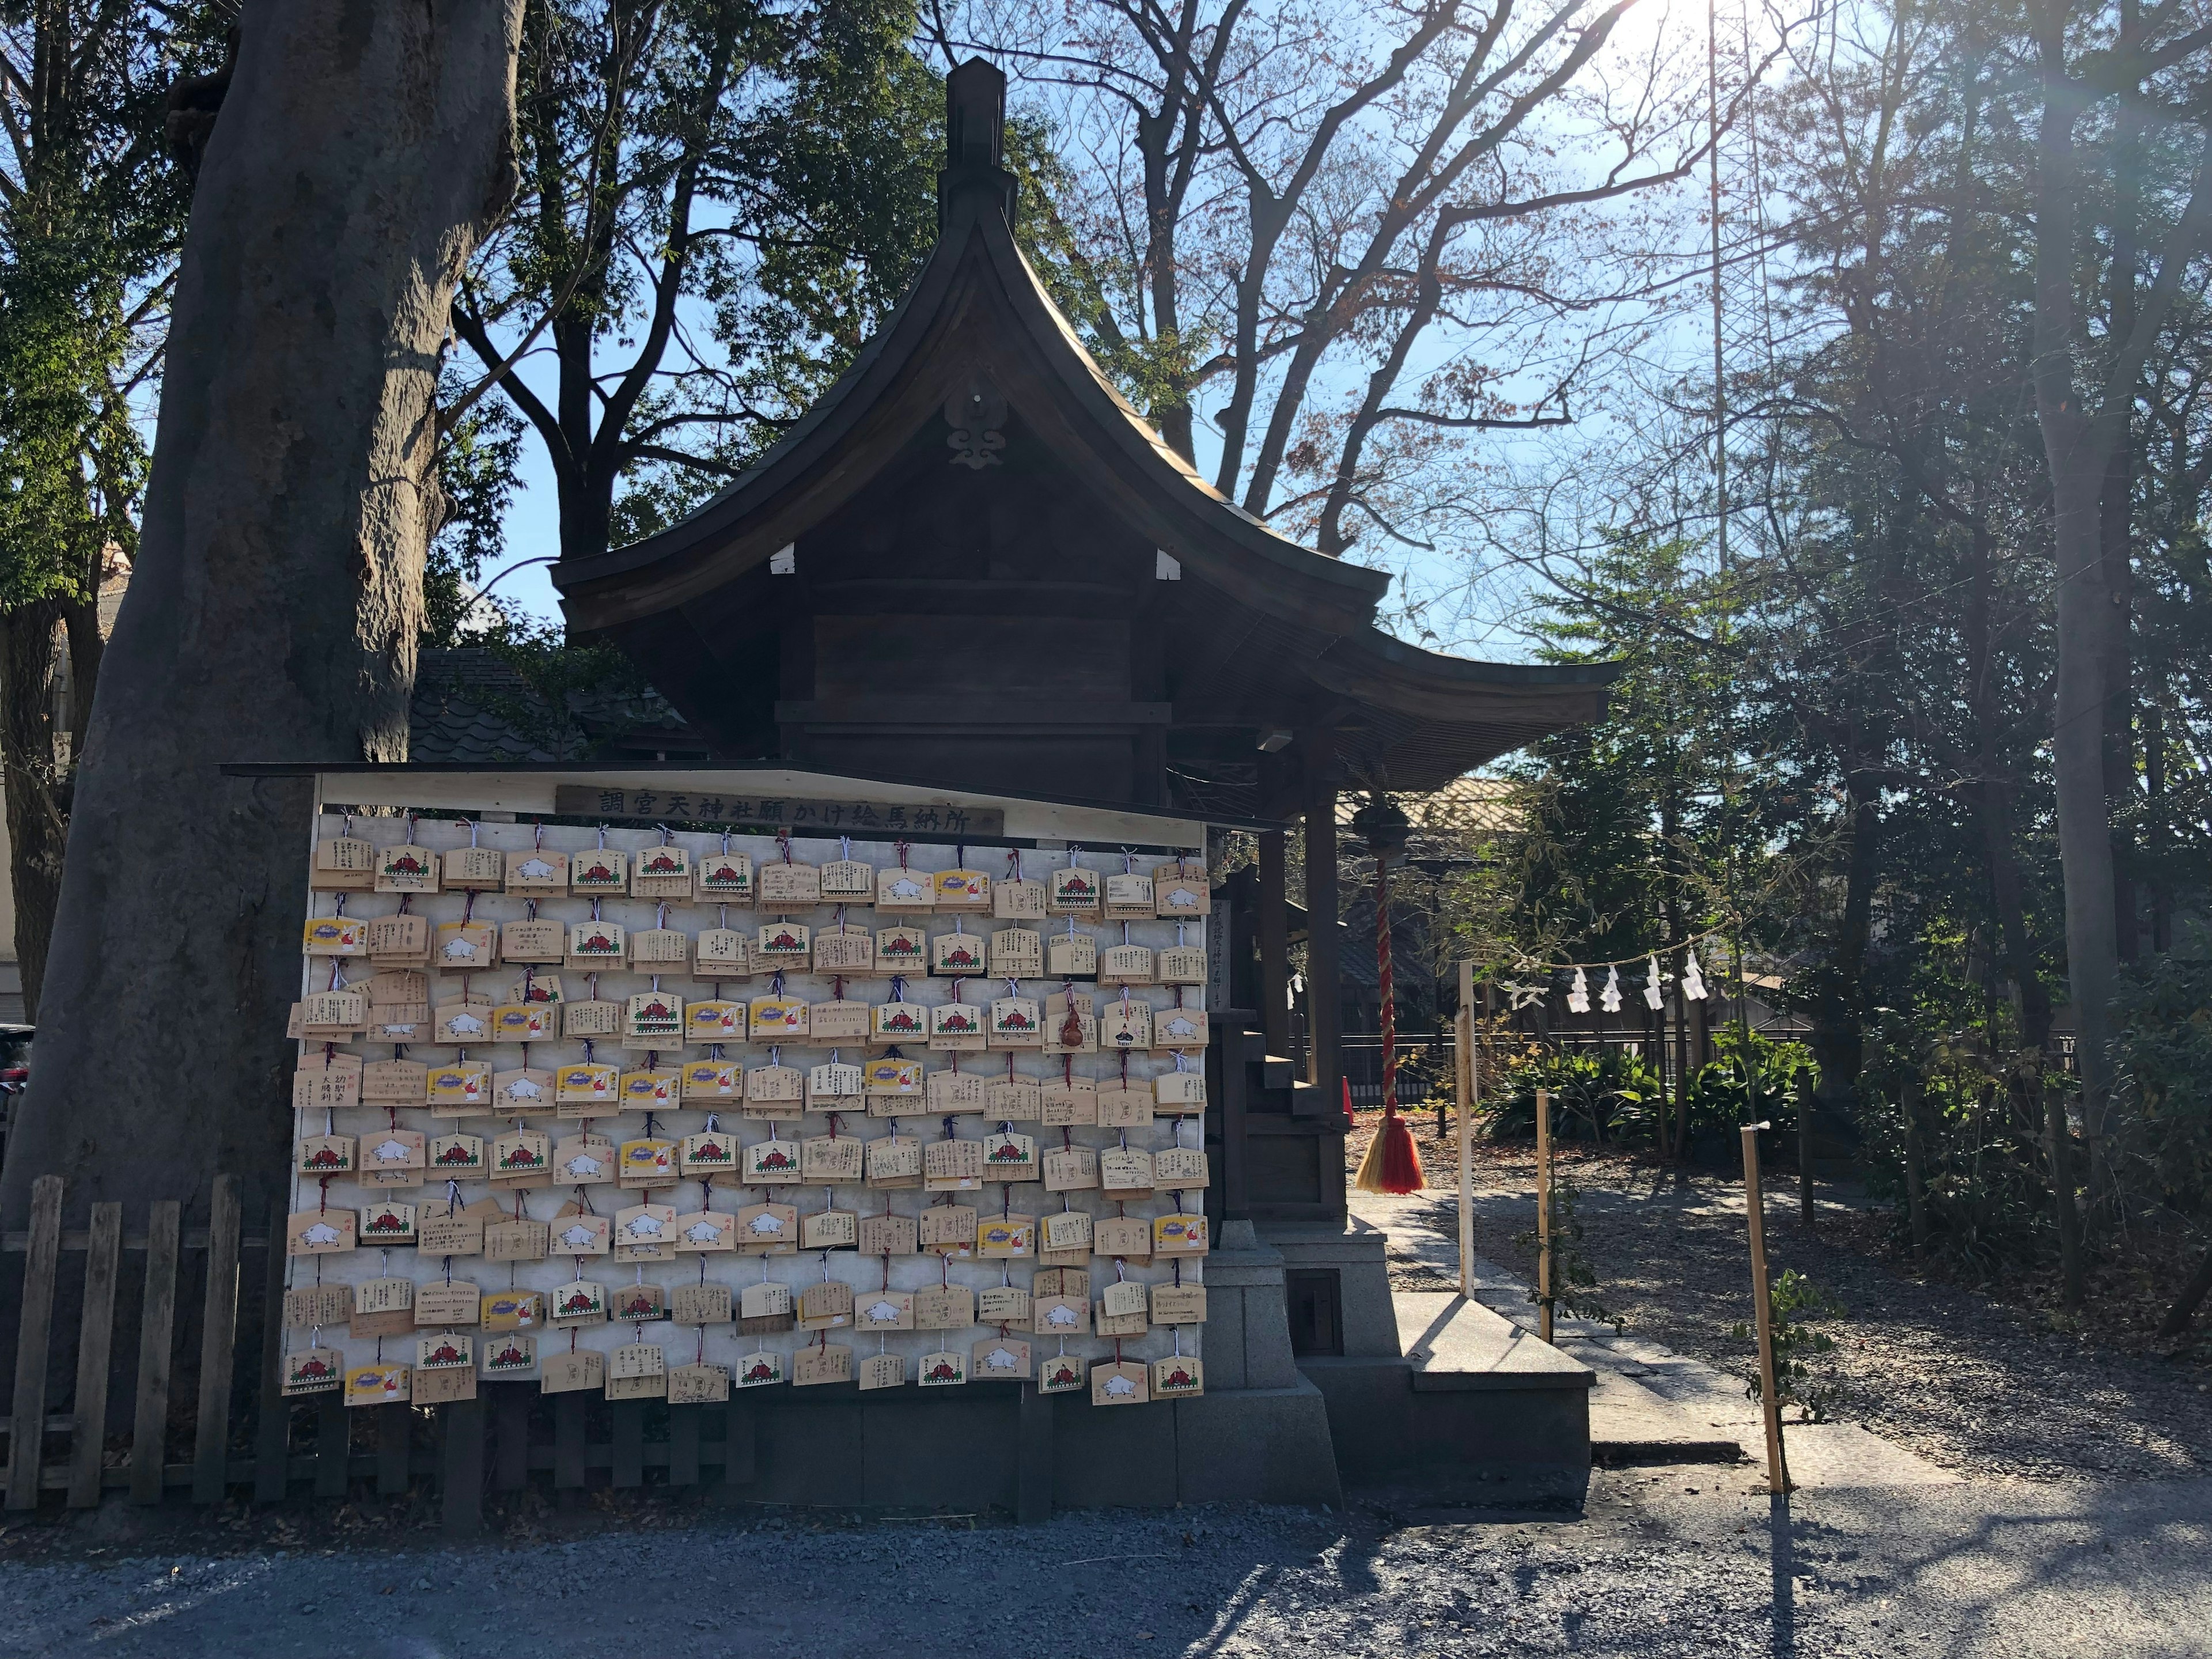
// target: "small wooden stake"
[[1544, 1213], [1466, 1092], [1777, 1470]]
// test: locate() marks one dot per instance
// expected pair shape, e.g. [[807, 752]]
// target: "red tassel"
[[1393, 1163]]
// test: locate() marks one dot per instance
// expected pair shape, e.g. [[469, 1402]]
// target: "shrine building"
[[973, 565]]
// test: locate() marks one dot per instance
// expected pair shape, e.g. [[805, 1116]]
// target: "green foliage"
[[1803, 1374], [1984, 1175], [1605, 1094], [2163, 1072], [90, 217], [71, 461], [1751, 1078]]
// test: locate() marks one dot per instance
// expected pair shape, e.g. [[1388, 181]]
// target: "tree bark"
[[360, 154]]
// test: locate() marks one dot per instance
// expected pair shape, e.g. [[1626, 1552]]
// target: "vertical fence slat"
[[462, 1475], [395, 1429], [149, 1430], [218, 1339], [683, 1445], [95, 1340], [334, 1444], [273, 1438], [511, 1455], [27, 1434], [567, 1441]]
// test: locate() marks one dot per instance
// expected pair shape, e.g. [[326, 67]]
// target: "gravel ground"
[[1989, 1390], [1690, 1563]]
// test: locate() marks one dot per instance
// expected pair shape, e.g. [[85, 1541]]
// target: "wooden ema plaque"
[[343, 864]]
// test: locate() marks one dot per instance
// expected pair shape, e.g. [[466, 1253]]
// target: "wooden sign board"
[[943, 818]]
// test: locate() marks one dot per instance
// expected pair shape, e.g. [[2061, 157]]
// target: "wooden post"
[[218, 1337], [1544, 1214], [95, 1340], [1777, 1472], [150, 1429], [272, 1438], [27, 1433], [1916, 1194], [2057, 1147], [1464, 1068], [1805, 1104]]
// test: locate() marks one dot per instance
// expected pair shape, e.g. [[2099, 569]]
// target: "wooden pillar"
[[1324, 993], [1275, 944]]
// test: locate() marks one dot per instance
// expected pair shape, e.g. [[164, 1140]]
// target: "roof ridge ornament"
[[975, 138]]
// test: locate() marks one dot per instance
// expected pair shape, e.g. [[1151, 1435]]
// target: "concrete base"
[[1248, 1334], [1475, 1410], [1355, 1252], [1002, 1446]]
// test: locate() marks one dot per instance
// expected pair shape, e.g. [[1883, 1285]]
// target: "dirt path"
[[1987, 1389]]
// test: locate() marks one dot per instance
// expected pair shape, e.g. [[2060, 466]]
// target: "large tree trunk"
[[2077, 448], [360, 154]]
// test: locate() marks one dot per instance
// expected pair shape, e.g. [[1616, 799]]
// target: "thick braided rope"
[[1388, 988]]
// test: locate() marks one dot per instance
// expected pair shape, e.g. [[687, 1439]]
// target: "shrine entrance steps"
[[1431, 1398]]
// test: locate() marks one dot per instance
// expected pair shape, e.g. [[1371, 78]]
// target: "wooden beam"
[[218, 1339], [157, 1318], [95, 1340], [27, 1435]]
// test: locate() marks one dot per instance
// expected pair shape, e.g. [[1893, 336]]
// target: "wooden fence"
[[242, 1430]]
